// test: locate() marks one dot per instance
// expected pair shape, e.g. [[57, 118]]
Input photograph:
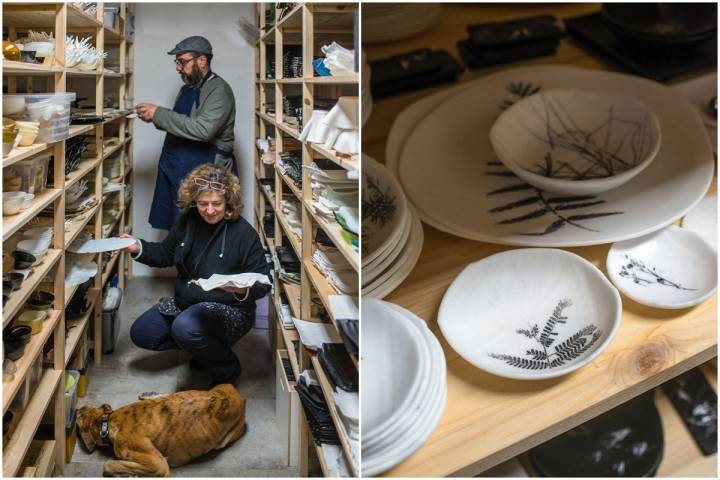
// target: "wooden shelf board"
[[10, 67], [42, 456], [12, 223], [266, 117], [78, 225], [288, 336], [322, 287], [330, 400], [289, 182], [268, 196], [111, 151], [323, 463], [76, 130], [290, 81], [347, 163], [24, 364], [292, 19], [84, 167], [17, 298], [339, 80], [292, 291], [333, 229], [42, 16], [69, 292], [295, 241], [17, 445], [21, 153], [293, 132], [266, 81], [76, 72], [80, 324]]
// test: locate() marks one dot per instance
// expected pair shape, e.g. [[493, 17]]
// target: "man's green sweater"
[[212, 120]]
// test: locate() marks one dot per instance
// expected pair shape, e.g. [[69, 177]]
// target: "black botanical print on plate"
[[530, 203], [641, 274], [596, 151], [561, 353], [518, 91], [379, 206]]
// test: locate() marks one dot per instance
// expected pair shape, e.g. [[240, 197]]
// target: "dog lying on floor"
[[163, 431]]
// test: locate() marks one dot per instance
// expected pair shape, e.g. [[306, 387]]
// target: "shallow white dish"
[[703, 220], [672, 268], [470, 186], [383, 206], [530, 313], [240, 280], [389, 385], [101, 245], [576, 141], [401, 267]]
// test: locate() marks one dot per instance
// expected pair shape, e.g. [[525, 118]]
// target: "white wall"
[[158, 27]]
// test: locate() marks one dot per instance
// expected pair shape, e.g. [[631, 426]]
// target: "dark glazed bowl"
[[23, 332], [14, 279], [14, 346], [23, 260]]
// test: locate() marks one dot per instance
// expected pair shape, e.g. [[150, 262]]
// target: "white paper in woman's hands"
[[238, 280]]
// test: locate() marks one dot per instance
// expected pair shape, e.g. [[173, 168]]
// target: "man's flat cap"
[[195, 44]]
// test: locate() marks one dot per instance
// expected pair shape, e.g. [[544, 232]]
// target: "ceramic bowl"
[[12, 204], [33, 319], [383, 209], [15, 279], [40, 299], [13, 105], [20, 331], [389, 385], [530, 314], [35, 245], [13, 347], [671, 268], [9, 370], [23, 260], [37, 232], [576, 142], [27, 201]]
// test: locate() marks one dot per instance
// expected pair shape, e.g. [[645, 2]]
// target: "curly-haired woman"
[[210, 237]]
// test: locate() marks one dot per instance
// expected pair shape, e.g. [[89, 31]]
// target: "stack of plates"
[[367, 101], [402, 401], [393, 21], [392, 235]]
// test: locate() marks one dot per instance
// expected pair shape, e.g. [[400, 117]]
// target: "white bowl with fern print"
[[576, 142], [530, 314], [384, 210], [672, 268]]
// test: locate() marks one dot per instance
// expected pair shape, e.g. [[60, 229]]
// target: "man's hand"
[[134, 248], [146, 111]]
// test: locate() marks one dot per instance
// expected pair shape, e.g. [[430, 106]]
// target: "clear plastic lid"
[[62, 97]]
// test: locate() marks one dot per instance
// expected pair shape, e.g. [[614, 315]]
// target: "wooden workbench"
[[490, 419]]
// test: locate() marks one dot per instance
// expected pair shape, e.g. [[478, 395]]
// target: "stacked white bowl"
[[28, 132], [392, 235], [12, 202], [404, 389], [37, 246]]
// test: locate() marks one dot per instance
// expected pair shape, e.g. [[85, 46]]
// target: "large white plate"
[[441, 145], [238, 280], [101, 245]]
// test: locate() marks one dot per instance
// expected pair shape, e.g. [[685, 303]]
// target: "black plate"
[[624, 442], [662, 22]]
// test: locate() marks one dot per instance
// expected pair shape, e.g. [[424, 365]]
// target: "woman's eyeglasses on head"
[[205, 183]]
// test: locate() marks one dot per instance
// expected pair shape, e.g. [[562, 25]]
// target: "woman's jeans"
[[207, 331]]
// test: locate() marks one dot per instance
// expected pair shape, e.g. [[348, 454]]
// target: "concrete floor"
[[260, 452]]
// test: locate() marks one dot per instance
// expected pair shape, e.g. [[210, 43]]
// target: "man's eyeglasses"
[[205, 183], [181, 62]]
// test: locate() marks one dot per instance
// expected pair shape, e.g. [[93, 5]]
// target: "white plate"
[[372, 270], [389, 385], [453, 126], [401, 268], [101, 245], [239, 280], [530, 313], [672, 268], [703, 220], [407, 423], [383, 203], [421, 419]]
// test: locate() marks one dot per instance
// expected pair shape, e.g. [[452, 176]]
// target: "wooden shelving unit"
[[489, 419], [309, 26], [61, 19]]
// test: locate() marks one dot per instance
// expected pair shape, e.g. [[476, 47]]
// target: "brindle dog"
[[160, 432]]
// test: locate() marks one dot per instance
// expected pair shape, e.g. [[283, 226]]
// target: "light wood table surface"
[[490, 419]]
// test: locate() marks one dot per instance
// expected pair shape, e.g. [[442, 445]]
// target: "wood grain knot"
[[649, 358]]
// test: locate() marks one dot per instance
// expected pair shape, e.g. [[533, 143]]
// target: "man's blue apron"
[[179, 156]]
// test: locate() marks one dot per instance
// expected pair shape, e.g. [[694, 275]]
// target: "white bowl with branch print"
[[672, 268], [576, 142], [530, 313], [383, 210]]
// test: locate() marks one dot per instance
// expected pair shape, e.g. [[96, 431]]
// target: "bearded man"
[[200, 127]]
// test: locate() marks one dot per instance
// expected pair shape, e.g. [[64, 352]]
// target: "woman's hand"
[[134, 248], [235, 290]]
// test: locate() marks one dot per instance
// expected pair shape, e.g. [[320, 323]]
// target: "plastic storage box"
[[71, 395], [52, 110], [111, 319], [70, 436]]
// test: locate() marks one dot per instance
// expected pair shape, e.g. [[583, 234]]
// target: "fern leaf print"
[[562, 352]]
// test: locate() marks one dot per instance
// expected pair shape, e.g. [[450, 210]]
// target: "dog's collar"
[[105, 429]]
